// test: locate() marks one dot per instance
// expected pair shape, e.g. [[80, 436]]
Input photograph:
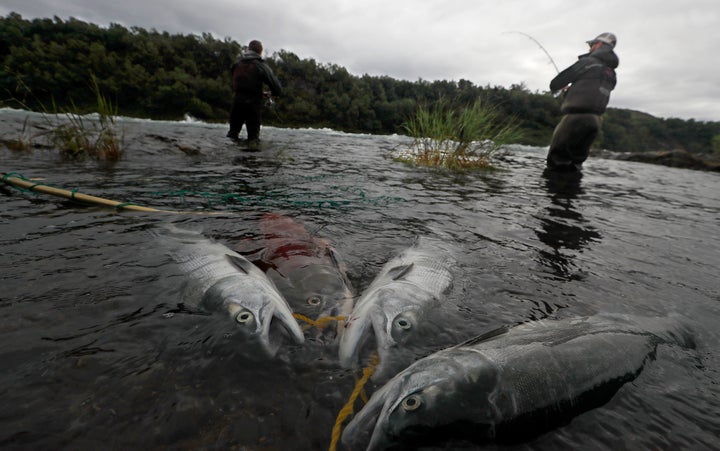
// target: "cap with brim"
[[606, 38]]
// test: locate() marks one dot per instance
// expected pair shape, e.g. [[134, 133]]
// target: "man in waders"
[[586, 86], [248, 75]]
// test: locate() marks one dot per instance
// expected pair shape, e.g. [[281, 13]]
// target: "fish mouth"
[[329, 287], [360, 341], [276, 326], [384, 367], [355, 338], [268, 327], [366, 428]]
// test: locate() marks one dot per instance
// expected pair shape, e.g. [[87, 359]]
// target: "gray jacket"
[[592, 77]]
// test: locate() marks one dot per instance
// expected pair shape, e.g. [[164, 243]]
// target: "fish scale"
[[220, 279], [396, 304], [428, 271], [544, 371], [436, 278], [206, 270]]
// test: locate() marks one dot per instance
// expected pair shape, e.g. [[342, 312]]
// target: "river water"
[[97, 350]]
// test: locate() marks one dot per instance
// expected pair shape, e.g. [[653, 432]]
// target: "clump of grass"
[[23, 142], [457, 139], [74, 135], [79, 137]]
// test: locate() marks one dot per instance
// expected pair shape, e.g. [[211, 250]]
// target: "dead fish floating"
[[529, 375], [305, 268], [219, 279], [397, 301]]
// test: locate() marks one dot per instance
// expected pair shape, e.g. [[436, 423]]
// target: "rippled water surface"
[[98, 351]]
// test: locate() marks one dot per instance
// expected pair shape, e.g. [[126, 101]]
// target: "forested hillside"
[[152, 74]]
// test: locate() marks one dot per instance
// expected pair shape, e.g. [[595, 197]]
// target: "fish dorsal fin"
[[240, 263], [333, 257], [399, 272]]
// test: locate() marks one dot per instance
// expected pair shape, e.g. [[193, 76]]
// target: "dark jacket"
[[592, 78], [248, 75]]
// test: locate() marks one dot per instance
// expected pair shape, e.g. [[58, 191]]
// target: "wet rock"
[[189, 150]]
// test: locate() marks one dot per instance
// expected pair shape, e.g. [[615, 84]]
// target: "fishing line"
[[539, 45]]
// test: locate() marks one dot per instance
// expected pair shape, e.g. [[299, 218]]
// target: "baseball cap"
[[607, 38]]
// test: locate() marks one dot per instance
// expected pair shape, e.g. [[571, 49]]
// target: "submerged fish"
[[305, 268], [220, 279], [527, 375], [397, 302]]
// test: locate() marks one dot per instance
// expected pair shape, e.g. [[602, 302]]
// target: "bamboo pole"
[[72, 195]]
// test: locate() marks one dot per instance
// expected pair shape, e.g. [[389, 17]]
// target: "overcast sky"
[[669, 51]]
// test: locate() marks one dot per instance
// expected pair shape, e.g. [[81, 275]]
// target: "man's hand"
[[269, 101]]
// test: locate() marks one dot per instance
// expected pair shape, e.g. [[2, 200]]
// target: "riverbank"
[[676, 158]]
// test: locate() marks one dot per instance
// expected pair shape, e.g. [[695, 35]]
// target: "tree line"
[[51, 63]]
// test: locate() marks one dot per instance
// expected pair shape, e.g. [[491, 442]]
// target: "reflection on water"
[[562, 226], [98, 349]]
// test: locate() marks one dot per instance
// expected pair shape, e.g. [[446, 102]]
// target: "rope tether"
[[320, 322], [347, 409], [359, 389]]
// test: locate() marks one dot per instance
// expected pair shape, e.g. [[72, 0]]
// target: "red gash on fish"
[[305, 268]]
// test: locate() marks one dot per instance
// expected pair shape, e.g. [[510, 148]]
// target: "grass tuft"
[[457, 139], [23, 142], [73, 134], [80, 137]]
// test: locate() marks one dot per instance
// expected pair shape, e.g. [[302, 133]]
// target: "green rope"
[[14, 174], [272, 199], [119, 207], [30, 189], [17, 175]]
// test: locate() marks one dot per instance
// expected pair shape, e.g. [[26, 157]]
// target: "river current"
[[98, 351]]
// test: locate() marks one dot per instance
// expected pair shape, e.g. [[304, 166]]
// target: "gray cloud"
[[667, 51]]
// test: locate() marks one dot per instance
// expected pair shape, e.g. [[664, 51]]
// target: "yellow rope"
[[320, 322], [347, 409], [364, 396]]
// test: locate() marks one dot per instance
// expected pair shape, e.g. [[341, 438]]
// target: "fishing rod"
[[270, 104], [539, 45]]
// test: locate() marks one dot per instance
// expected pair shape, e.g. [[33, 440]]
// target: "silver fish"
[[220, 279], [397, 301], [536, 368]]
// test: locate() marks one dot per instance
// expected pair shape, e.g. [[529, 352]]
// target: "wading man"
[[586, 86], [249, 74]]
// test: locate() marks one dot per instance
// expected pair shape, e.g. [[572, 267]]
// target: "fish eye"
[[412, 402], [403, 323], [314, 300], [244, 317]]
